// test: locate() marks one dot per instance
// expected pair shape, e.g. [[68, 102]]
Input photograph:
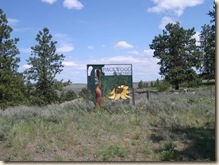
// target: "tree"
[[163, 86], [140, 85], [45, 65], [12, 91], [68, 95], [178, 53], [207, 44], [157, 82], [146, 85]]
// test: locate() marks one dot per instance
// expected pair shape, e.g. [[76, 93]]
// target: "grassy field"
[[167, 127]]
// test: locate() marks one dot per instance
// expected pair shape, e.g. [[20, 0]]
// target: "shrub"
[[84, 93], [163, 86], [168, 152], [111, 152], [67, 95]]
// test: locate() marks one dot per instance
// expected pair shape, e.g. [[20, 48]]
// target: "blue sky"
[[102, 31]]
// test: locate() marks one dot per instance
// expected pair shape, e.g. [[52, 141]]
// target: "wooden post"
[[133, 96], [147, 96]]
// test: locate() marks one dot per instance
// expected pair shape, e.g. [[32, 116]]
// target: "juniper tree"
[[12, 91], [178, 53], [45, 65]]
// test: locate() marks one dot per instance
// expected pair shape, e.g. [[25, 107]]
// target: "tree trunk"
[[177, 86]]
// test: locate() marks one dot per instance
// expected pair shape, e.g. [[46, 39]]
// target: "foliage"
[[67, 95], [163, 86], [12, 90], [168, 153], [45, 65], [84, 93], [208, 45], [176, 48], [140, 85]]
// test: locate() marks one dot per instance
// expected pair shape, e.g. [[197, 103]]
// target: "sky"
[[102, 31]]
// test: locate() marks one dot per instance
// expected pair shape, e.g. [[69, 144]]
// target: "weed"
[[168, 153], [136, 119], [112, 151]]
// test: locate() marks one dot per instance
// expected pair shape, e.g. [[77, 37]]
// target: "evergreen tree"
[[157, 82], [12, 91], [208, 44], [176, 48], [140, 85], [146, 85], [45, 65], [151, 84]]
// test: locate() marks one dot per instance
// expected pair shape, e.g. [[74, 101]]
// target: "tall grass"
[[167, 127]]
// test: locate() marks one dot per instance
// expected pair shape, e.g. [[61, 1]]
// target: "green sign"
[[110, 81]]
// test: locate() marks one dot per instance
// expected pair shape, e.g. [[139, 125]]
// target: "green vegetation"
[[178, 53], [168, 127], [208, 42], [45, 65], [12, 90]]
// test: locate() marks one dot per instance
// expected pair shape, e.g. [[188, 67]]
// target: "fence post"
[[147, 92], [133, 96]]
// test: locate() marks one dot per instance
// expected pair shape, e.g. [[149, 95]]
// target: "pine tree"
[[178, 53], [45, 65], [208, 45], [12, 90], [140, 85]]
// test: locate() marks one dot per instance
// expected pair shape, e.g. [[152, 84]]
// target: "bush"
[[84, 92], [163, 86], [68, 95]]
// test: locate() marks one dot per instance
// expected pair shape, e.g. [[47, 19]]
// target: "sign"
[[111, 81], [110, 70]]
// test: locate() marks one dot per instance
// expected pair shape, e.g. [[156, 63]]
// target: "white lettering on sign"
[[110, 70]]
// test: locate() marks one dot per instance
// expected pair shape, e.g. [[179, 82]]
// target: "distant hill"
[[78, 86]]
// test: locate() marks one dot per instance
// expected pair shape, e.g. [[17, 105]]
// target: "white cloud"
[[134, 52], [91, 47], [123, 44], [69, 63], [26, 66], [49, 1], [149, 52], [197, 38], [73, 4], [173, 6], [65, 48], [12, 21], [165, 20]]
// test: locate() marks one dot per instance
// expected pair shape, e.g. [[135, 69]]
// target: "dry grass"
[[168, 127]]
